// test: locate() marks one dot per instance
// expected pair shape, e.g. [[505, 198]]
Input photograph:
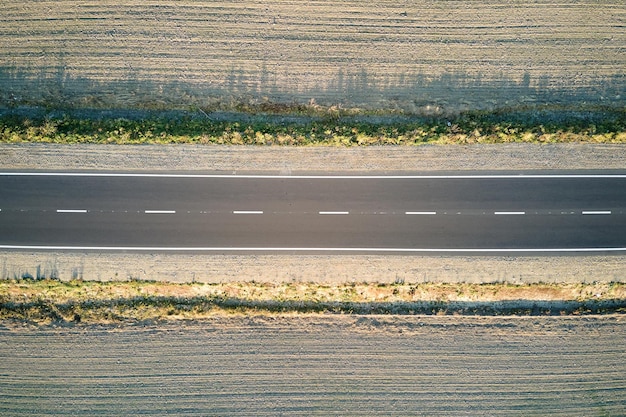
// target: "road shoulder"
[[286, 159]]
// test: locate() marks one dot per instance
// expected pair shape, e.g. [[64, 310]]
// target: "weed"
[[83, 301], [516, 125]]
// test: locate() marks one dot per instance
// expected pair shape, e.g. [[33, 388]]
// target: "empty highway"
[[473, 213]]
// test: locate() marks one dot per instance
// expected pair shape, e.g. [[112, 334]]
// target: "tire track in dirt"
[[319, 366]]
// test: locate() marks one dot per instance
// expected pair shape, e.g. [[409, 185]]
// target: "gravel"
[[291, 159]]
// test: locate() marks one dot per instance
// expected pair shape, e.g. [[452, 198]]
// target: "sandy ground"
[[290, 159], [312, 268], [425, 57], [311, 365]]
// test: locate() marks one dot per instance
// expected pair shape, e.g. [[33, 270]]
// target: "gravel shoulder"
[[312, 268], [291, 159]]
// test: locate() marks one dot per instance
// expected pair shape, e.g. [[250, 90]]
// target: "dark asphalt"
[[201, 212]]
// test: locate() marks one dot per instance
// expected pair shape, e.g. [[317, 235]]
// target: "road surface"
[[562, 212]]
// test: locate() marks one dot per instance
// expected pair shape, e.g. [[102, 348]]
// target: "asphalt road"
[[564, 212]]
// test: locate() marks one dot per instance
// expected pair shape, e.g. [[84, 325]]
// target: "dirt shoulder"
[[217, 268], [514, 156]]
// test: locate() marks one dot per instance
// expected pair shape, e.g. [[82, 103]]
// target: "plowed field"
[[306, 366], [425, 57]]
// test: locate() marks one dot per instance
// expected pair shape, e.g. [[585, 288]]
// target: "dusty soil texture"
[[311, 268], [316, 365], [287, 160], [428, 57]]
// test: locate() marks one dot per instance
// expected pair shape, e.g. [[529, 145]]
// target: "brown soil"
[[287, 160], [320, 269], [313, 365], [426, 57]]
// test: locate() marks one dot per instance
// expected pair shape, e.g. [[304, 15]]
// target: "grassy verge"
[[302, 126], [48, 301]]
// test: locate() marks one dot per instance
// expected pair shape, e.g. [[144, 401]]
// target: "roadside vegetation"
[[304, 126], [52, 301]]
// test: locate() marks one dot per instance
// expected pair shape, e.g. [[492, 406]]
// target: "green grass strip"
[[328, 129]]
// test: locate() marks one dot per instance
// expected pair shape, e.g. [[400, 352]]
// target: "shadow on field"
[[414, 93], [156, 307]]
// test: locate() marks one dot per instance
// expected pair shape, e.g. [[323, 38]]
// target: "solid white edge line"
[[420, 212], [509, 212], [247, 212], [279, 249], [334, 212], [262, 176], [597, 212], [160, 211], [71, 211]]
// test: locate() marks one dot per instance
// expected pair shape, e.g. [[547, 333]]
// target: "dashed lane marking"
[[584, 212]]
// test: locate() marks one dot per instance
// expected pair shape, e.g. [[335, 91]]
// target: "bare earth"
[[425, 57], [285, 160], [312, 268], [315, 365]]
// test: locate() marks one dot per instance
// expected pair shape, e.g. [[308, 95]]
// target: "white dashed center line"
[[247, 212], [334, 212], [420, 212], [597, 212], [71, 211], [160, 211], [509, 212]]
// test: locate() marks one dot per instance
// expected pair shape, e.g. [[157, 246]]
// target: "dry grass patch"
[[89, 301]]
